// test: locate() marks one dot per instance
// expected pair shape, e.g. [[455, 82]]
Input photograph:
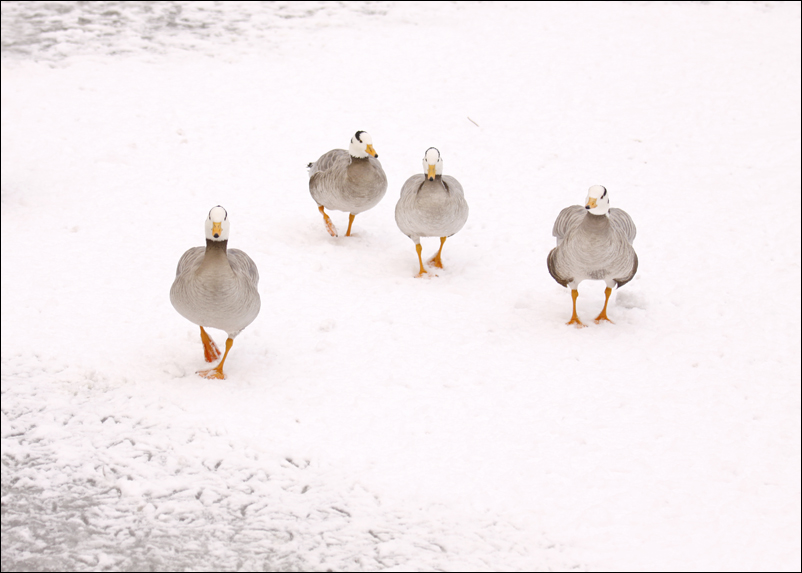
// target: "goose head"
[[217, 224], [432, 163], [362, 145], [598, 201]]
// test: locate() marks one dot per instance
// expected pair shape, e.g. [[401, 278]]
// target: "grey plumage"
[[593, 247], [352, 181], [431, 205], [431, 208], [594, 242], [217, 287], [340, 182]]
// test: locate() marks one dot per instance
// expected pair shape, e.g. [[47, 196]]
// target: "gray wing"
[[327, 161], [624, 280], [243, 265], [551, 263], [569, 218], [190, 260], [406, 203], [413, 184], [453, 185], [622, 222]]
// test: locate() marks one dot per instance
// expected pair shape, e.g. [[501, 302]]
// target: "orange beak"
[[431, 172], [592, 203], [217, 228], [372, 151]]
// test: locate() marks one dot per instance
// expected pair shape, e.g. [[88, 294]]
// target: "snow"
[[371, 420]]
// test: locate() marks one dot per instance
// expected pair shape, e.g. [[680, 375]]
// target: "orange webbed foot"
[[210, 350], [574, 316], [423, 271], [579, 323], [435, 262], [327, 221], [603, 313], [213, 374]]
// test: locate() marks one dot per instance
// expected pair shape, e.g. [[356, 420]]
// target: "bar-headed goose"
[[594, 242], [431, 205], [216, 287], [352, 181]]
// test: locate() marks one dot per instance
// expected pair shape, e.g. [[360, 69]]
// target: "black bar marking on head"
[[359, 136]]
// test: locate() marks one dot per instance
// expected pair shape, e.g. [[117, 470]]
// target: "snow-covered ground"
[[371, 420]]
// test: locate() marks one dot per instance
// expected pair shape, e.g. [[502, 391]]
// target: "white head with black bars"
[[598, 201], [217, 224], [432, 163], [362, 145]]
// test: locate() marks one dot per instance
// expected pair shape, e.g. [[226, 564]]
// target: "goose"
[[351, 181], [216, 287], [431, 205], [594, 242]]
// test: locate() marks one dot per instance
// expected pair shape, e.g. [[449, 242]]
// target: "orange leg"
[[423, 271], [217, 371], [350, 222], [329, 225], [603, 314], [435, 260], [210, 350], [574, 317]]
